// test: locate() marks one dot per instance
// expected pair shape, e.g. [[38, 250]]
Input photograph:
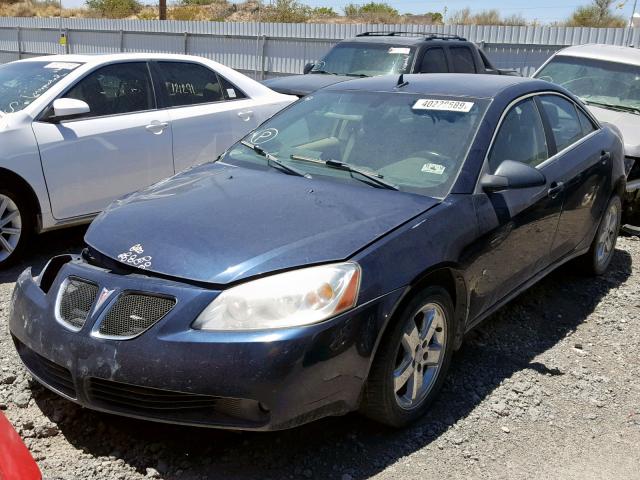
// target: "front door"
[[123, 144], [519, 224]]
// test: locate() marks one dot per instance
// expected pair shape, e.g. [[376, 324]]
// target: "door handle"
[[156, 127], [555, 188], [604, 157], [245, 115]]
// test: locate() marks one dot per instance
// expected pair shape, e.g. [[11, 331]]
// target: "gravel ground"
[[546, 388]]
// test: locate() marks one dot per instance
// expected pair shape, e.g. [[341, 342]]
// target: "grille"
[[50, 373], [76, 300], [132, 314], [137, 397]]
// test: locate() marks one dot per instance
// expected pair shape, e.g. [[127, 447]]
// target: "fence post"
[[263, 58], [186, 42], [19, 36], [66, 45], [121, 41]]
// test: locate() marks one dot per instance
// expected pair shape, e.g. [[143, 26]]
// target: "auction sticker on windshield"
[[443, 105], [400, 50], [61, 66]]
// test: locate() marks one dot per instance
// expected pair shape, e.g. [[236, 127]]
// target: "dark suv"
[[382, 53]]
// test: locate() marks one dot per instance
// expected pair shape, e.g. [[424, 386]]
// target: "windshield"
[[409, 142], [596, 81], [365, 59], [22, 82]]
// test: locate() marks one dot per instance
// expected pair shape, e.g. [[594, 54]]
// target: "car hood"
[[219, 224], [627, 123], [302, 85]]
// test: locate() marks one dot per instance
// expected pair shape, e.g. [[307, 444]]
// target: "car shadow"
[[42, 248], [508, 342]]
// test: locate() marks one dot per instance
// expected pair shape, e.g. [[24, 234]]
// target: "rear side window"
[[116, 89], [184, 84], [462, 60], [521, 137], [434, 61], [231, 92], [563, 120], [586, 123]]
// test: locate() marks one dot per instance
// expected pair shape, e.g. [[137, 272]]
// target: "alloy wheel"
[[420, 356], [10, 226], [607, 239]]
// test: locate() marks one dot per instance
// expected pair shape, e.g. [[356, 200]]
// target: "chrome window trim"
[[548, 161]]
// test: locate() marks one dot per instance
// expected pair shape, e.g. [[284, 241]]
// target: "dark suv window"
[[434, 61], [563, 120], [521, 137], [462, 59], [189, 84], [116, 89]]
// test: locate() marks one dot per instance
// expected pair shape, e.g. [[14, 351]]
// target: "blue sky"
[[543, 10]]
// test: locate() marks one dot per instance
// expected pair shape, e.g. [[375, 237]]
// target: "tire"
[[390, 399], [596, 261], [16, 226]]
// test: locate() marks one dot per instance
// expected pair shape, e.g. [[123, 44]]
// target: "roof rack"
[[426, 35]]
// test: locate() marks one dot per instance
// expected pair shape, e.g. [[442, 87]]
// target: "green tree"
[[326, 12], [115, 8], [598, 14]]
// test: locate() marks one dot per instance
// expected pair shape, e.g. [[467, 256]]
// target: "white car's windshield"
[[413, 143], [597, 82], [366, 59], [22, 82]]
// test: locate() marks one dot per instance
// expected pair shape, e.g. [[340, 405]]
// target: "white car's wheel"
[[15, 226]]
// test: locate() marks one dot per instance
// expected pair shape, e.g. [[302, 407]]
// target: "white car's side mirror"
[[69, 107]]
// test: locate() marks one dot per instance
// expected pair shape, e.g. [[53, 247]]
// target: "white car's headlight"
[[299, 297]]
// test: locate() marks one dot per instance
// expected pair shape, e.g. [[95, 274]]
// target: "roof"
[[448, 84], [611, 53], [111, 57], [400, 39]]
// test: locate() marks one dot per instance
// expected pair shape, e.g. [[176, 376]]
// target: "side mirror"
[[308, 67], [511, 174], [69, 107]]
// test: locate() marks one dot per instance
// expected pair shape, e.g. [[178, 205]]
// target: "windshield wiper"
[[370, 176], [359, 75], [324, 72], [272, 160], [611, 106]]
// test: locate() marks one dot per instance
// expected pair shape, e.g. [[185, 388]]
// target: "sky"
[[543, 10]]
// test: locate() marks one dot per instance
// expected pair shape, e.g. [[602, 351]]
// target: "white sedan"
[[77, 132]]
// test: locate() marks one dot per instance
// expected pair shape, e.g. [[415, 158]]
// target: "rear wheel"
[[15, 226], [597, 259], [411, 364]]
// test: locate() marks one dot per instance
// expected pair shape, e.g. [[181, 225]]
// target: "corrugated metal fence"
[[268, 49]]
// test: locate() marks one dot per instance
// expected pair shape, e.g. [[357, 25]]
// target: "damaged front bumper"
[[264, 380]]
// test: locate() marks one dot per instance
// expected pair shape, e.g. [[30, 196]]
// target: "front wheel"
[[15, 226], [597, 259], [412, 362]]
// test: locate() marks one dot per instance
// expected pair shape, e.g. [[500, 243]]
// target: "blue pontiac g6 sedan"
[[330, 261]]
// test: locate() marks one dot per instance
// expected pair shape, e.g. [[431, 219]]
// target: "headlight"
[[299, 297]]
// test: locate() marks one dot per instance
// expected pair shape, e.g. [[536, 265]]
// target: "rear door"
[[207, 113], [581, 169], [123, 143]]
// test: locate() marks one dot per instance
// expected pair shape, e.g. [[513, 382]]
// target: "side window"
[[186, 84], [462, 60], [586, 123], [434, 61], [231, 92], [563, 120], [521, 137], [116, 89]]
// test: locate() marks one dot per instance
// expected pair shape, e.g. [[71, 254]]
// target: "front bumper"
[[264, 380]]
